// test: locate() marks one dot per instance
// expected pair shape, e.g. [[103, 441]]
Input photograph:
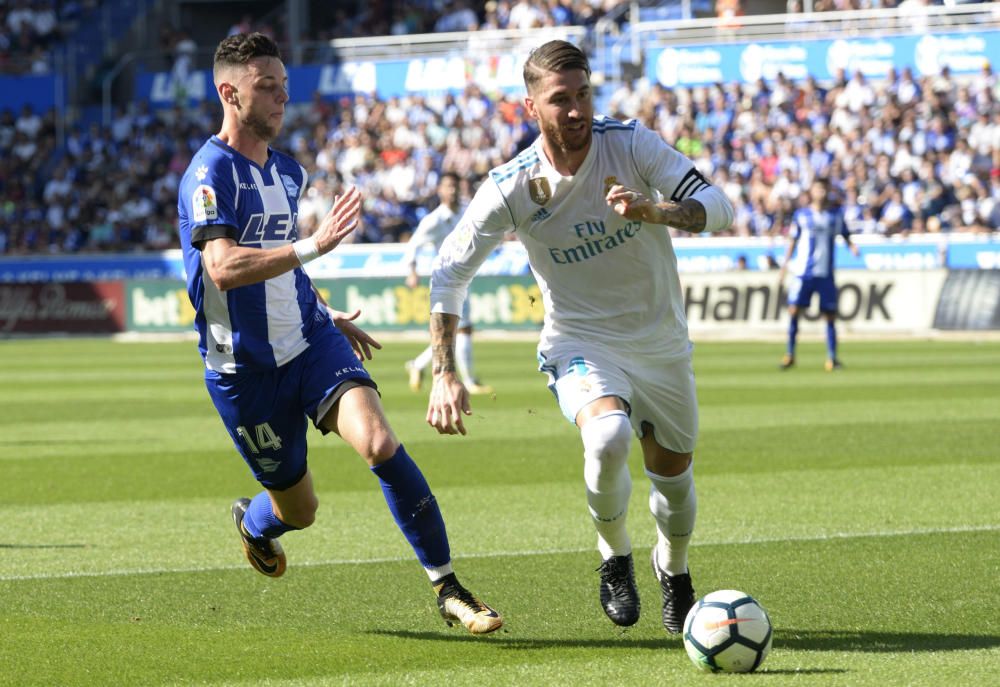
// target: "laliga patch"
[[204, 204]]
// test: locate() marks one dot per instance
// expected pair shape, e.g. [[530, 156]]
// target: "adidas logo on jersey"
[[540, 215]]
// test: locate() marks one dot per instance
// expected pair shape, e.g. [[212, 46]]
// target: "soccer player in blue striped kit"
[[814, 232], [274, 354], [591, 200]]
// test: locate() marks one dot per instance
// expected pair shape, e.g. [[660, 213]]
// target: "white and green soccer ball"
[[727, 631]]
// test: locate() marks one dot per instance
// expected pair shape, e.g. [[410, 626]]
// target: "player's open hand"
[[361, 341], [449, 401], [630, 204], [339, 222]]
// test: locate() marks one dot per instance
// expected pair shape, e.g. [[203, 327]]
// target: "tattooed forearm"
[[443, 328], [688, 215]]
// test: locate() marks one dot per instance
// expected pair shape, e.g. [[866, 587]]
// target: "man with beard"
[[585, 200], [274, 354]]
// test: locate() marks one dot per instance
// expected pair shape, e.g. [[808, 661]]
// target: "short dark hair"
[[554, 56], [241, 48], [451, 175]]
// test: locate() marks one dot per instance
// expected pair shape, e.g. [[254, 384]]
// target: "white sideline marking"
[[506, 554]]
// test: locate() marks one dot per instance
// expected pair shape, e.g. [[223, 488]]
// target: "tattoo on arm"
[[687, 215], [443, 342]]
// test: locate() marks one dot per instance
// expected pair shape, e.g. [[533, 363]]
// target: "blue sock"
[[831, 340], [260, 520], [414, 508], [793, 333]]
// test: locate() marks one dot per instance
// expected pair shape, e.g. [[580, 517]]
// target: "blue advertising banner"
[[694, 255], [690, 65], [38, 91], [426, 76], [95, 267], [983, 255], [926, 54]]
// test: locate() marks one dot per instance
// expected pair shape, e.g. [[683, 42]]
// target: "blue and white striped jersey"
[[224, 194], [815, 233]]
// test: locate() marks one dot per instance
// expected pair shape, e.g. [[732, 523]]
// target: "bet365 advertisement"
[[386, 303], [748, 303], [729, 304]]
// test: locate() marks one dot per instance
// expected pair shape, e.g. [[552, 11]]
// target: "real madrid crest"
[[540, 190], [608, 183]]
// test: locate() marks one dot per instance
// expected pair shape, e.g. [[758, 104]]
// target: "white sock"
[[440, 571], [424, 359], [674, 505], [463, 358], [607, 439]]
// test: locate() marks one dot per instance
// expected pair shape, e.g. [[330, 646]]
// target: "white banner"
[[754, 303]]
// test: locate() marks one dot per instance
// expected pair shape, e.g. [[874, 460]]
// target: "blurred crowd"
[[439, 16], [110, 189], [31, 29], [906, 155], [28, 31]]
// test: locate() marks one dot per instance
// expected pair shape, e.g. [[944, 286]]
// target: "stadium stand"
[[909, 154]]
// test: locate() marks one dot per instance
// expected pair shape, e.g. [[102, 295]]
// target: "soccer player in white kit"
[[432, 230], [591, 200]]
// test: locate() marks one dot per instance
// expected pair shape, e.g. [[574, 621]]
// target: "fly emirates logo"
[[595, 239]]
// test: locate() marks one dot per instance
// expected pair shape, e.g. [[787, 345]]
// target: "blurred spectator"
[[457, 16], [244, 25], [728, 13]]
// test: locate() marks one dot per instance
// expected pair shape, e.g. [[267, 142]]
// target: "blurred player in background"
[[432, 230], [585, 200], [814, 232], [275, 354]]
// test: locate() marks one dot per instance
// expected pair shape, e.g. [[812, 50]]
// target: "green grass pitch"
[[860, 508]]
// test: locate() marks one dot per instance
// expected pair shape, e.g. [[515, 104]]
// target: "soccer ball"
[[727, 631]]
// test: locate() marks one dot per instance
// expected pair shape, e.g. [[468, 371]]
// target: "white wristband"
[[305, 250]]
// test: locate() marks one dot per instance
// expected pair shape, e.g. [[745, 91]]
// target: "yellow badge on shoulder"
[[540, 190], [203, 204]]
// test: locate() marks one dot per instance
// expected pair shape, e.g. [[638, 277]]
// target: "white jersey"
[[603, 278], [433, 229]]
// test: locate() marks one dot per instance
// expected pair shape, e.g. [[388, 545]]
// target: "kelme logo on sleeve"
[[204, 205]]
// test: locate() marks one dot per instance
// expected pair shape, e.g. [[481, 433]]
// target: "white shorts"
[[659, 390]]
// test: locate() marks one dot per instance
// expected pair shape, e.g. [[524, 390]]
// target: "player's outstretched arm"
[[687, 215], [230, 265], [449, 398]]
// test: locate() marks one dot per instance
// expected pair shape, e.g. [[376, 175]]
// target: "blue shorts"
[[265, 411], [803, 288]]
